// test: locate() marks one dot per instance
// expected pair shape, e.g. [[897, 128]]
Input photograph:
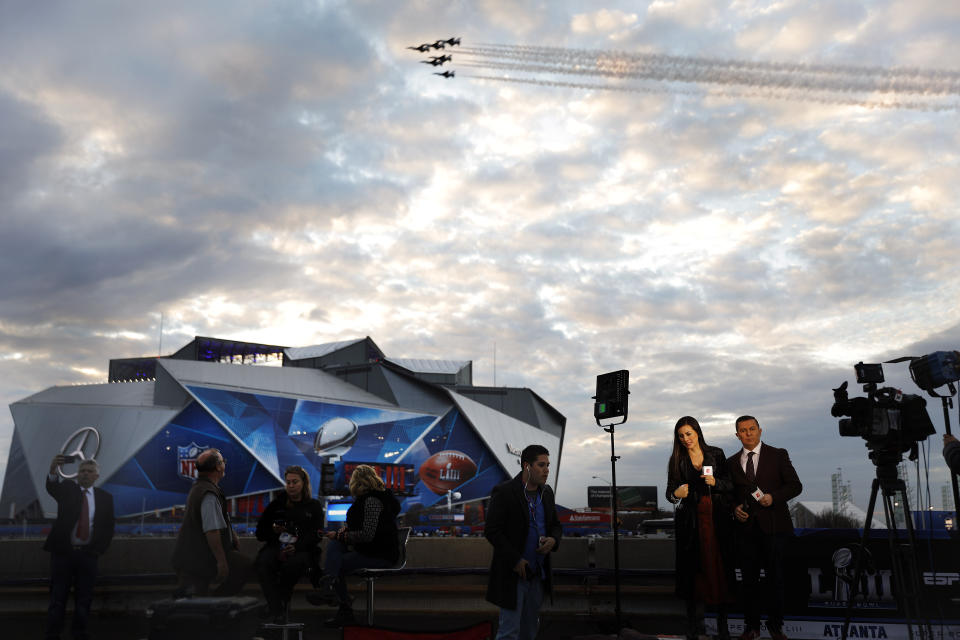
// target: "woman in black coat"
[[368, 541], [288, 527], [699, 486]]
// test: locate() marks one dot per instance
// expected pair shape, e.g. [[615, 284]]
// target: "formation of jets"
[[438, 61]]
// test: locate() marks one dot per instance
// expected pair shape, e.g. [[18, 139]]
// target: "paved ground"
[[120, 627]]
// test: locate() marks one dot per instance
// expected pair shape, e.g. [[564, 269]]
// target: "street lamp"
[[451, 496]]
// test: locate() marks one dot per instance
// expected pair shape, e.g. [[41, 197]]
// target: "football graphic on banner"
[[447, 470]]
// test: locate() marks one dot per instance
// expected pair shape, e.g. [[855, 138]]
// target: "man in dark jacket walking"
[[81, 533], [523, 527]]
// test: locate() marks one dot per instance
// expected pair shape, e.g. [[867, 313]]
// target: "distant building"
[[841, 492], [422, 423], [946, 498], [804, 513]]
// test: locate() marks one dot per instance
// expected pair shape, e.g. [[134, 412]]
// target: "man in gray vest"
[[205, 556]]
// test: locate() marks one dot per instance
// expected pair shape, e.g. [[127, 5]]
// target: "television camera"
[[890, 421]]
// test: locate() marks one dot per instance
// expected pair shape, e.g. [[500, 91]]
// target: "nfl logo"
[[187, 460]]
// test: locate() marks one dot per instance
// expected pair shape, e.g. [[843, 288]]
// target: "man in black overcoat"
[[523, 527], [763, 481], [81, 533]]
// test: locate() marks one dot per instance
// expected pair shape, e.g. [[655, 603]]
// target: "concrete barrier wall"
[[462, 594], [26, 558]]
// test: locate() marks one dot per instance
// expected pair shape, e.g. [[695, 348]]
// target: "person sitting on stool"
[[289, 528], [369, 541]]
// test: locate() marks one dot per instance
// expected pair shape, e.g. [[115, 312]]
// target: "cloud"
[[293, 174]]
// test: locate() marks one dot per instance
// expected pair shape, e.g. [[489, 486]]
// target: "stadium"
[[428, 430]]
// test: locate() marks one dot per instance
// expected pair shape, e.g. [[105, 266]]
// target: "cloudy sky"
[[288, 172]]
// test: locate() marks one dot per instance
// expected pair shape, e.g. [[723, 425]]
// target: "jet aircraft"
[[423, 48], [445, 74], [452, 41], [439, 44], [437, 60]]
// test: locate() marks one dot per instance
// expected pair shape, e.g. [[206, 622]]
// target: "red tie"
[[83, 525]]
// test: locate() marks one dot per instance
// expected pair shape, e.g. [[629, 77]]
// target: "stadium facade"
[[422, 423]]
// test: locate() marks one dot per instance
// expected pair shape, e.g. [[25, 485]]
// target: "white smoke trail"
[[797, 79], [768, 94], [557, 53]]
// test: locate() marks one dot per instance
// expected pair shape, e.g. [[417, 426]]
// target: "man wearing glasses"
[[205, 556], [523, 527]]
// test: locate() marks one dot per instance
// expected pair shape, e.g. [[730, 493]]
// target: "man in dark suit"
[[81, 533], [523, 527], [763, 480]]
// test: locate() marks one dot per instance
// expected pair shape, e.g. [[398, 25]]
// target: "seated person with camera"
[[288, 527]]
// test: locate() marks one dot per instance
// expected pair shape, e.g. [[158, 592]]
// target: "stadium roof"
[[420, 365], [284, 381], [139, 394], [318, 350]]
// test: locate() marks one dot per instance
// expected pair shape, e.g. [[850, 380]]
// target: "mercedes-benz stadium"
[[428, 430]]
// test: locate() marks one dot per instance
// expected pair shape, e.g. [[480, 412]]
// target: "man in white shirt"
[[81, 533]]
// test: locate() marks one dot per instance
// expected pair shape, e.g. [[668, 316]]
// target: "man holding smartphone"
[[523, 527], [81, 533], [763, 480]]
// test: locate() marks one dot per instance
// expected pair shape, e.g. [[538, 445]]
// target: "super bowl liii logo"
[[187, 460], [831, 588]]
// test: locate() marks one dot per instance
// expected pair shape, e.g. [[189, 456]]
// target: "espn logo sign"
[[940, 578]]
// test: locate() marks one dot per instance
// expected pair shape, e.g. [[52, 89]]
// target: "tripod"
[[903, 558]]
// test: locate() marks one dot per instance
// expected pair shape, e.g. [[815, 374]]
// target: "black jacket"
[[951, 454], [508, 521], [67, 495], [385, 543], [686, 526], [776, 476], [303, 519]]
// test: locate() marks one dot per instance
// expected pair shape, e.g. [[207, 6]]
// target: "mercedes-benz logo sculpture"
[[83, 444]]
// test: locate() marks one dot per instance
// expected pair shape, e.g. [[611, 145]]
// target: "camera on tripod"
[[891, 422]]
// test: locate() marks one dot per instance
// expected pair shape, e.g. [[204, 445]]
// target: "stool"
[[285, 629]]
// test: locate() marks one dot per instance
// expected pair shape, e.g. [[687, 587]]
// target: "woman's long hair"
[[365, 479], [678, 448], [297, 470]]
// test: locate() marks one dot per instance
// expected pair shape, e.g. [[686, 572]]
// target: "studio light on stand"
[[929, 372], [610, 403]]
